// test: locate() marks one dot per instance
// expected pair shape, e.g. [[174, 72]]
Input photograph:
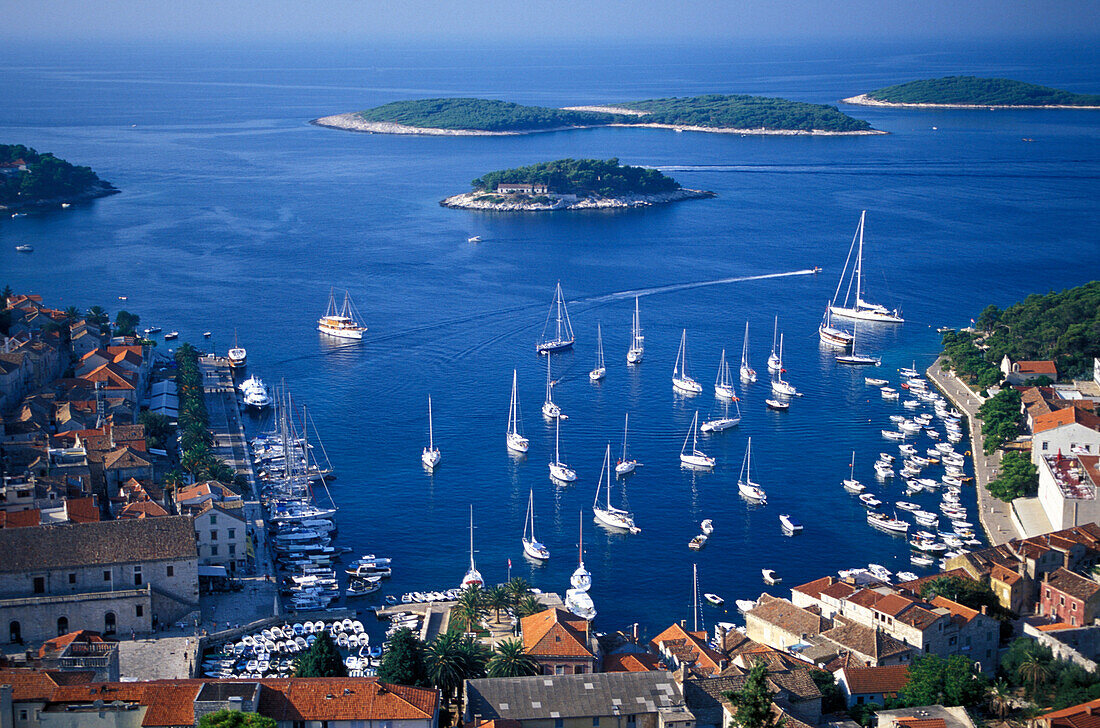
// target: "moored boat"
[[562, 337]]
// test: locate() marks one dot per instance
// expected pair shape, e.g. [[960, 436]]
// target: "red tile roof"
[[922, 722], [1060, 417], [555, 632], [1072, 584], [890, 679], [82, 510], [631, 662], [20, 519], [957, 610], [1037, 367], [57, 644], [1083, 715], [814, 588], [142, 509]]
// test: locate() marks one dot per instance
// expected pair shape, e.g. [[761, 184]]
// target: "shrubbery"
[[981, 92], [606, 178], [45, 178]]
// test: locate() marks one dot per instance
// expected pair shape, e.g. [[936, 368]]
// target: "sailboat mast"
[[626, 424], [607, 462], [557, 439], [695, 597], [859, 262], [431, 434], [775, 331], [472, 536]]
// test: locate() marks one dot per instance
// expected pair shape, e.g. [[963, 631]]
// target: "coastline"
[[352, 122], [102, 189], [864, 100], [468, 201]]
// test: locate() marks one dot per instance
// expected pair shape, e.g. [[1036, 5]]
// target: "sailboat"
[[473, 576], [680, 379], [608, 514], [860, 309], [779, 386], [516, 441], [855, 359], [748, 374], [775, 361], [548, 407], [577, 599], [625, 466], [725, 421], [238, 357], [531, 545], [851, 484], [637, 341], [341, 322], [558, 469], [723, 383], [430, 457], [696, 458], [830, 334], [748, 489], [598, 373], [562, 337]]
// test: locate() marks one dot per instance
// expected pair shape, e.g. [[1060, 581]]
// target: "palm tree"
[[498, 598], [469, 609], [1034, 671], [529, 605], [72, 314], [98, 316], [510, 660], [518, 588], [449, 661], [999, 698]]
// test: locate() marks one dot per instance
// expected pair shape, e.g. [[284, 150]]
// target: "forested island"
[[973, 92], [29, 178], [710, 113], [572, 184]]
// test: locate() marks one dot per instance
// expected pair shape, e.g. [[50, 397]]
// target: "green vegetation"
[[322, 659], [403, 662], [754, 700], [980, 92], [583, 177], [968, 361], [951, 681], [722, 111], [1019, 478], [967, 592], [45, 178], [194, 423], [717, 111], [832, 700], [126, 323], [158, 429], [236, 719], [510, 660], [1002, 419], [451, 659], [1045, 680]]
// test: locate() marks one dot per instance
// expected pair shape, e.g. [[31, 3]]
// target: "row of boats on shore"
[[271, 651]]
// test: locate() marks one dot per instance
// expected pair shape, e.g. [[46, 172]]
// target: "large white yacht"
[[341, 322]]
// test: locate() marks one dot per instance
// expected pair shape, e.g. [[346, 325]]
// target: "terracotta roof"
[[922, 722], [814, 588], [28, 685], [893, 604], [1060, 417], [1070, 716], [142, 509], [115, 376], [1056, 627], [1072, 584], [57, 644], [839, 590], [781, 613], [866, 597], [865, 641], [1037, 367], [631, 662], [81, 510], [688, 647], [124, 458], [555, 632], [20, 519], [210, 487], [889, 679]]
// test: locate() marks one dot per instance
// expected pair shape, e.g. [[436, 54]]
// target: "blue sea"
[[237, 216]]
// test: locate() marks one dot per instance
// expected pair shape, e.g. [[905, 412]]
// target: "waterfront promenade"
[[995, 516]]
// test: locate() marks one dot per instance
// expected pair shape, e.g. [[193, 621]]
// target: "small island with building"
[[30, 179], [971, 92], [572, 184], [715, 113]]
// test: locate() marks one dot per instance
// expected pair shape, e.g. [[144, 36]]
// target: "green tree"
[[158, 429], [498, 598], [510, 660], [403, 663], [469, 609], [953, 681], [236, 719], [126, 323], [1033, 671], [529, 605], [965, 591], [450, 659], [1002, 419], [832, 700], [754, 700], [98, 316], [320, 660], [999, 698], [1018, 477], [72, 314], [518, 588]]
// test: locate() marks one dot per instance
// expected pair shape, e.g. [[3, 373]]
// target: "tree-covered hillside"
[[46, 177], [480, 115], [746, 112], [606, 178], [980, 92]]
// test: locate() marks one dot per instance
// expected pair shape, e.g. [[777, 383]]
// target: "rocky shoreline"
[[353, 122], [101, 189], [472, 201], [864, 100]]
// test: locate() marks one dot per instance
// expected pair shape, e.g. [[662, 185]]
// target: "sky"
[[242, 21]]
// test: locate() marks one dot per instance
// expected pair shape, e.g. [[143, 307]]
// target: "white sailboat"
[[516, 441], [598, 373], [473, 576], [562, 338], [558, 469], [851, 484], [725, 421], [860, 309], [723, 383], [606, 513], [577, 599], [748, 374], [779, 385], [748, 489], [696, 458], [637, 341], [341, 322], [775, 360], [681, 381], [855, 359], [548, 407], [531, 545], [431, 456], [624, 465], [831, 335]]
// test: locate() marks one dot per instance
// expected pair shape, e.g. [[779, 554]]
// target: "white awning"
[[212, 571]]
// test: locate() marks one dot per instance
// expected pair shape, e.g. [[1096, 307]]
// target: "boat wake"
[[687, 286]]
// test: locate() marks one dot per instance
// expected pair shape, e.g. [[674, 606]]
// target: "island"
[[30, 179], [572, 184], [971, 92], [715, 113]]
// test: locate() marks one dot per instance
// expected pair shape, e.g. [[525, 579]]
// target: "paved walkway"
[[995, 515], [164, 658]]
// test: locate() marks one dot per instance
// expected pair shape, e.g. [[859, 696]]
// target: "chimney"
[[634, 632], [985, 609], [236, 702]]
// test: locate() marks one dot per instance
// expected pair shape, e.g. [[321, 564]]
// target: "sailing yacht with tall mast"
[[855, 359], [608, 514], [531, 545], [775, 361], [624, 465], [431, 456], [472, 579], [724, 422], [695, 458], [748, 489], [748, 374], [516, 441], [577, 599], [860, 309], [723, 383], [550, 409], [562, 336], [831, 335], [559, 470], [779, 385], [598, 373], [342, 322], [681, 380], [637, 341]]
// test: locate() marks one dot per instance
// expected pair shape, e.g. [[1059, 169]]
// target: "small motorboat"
[[745, 605], [790, 524], [770, 577], [921, 560], [25, 248], [708, 526], [875, 382], [904, 576], [714, 599], [907, 506], [869, 500], [171, 335], [473, 239], [206, 334], [776, 404], [698, 542]]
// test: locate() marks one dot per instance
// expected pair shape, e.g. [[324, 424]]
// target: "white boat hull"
[[752, 492], [781, 387], [551, 410], [615, 520], [835, 337], [430, 458], [535, 550], [697, 460], [341, 333], [634, 356], [721, 390], [551, 346], [864, 314], [517, 443], [774, 364], [559, 471], [720, 424], [597, 374], [686, 385], [748, 374], [626, 467]]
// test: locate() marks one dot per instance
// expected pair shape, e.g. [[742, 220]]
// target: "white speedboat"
[[562, 336], [531, 545], [885, 523], [431, 455], [625, 465], [770, 577], [600, 369], [860, 309], [745, 486], [893, 435], [707, 526], [907, 506], [559, 470], [698, 542], [516, 442], [869, 500], [473, 578], [723, 383], [696, 457], [748, 374], [714, 599], [681, 380], [637, 341], [473, 239], [775, 359], [341, 322], [875, 382], [789, 524], [549, 408], [25, 248], [745, 605]]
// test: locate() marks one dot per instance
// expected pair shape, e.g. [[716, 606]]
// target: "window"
[[72, 578], [109, 623], [1073, 621], [559, 669], [139, 611], [953, 640], [213, 520], [1045, 444], [596, 722], [232, 533], [213, 550], [1048, 593], [1073, 607], [1062, 601], [106, 576], [22, 715], [559, 723], [15, 632], [232, 549], [137, 576], [171, 570], [631, 719], [859, 700], [62, 626], [39, 585], [213, 535]]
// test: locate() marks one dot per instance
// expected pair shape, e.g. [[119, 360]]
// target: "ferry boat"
[[238, 357], [342, 323]]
